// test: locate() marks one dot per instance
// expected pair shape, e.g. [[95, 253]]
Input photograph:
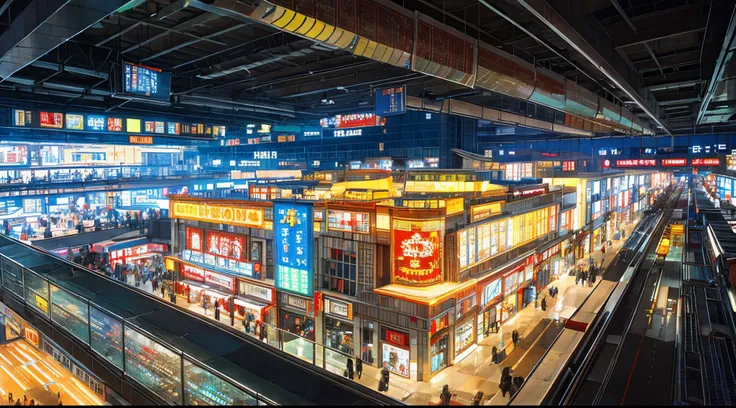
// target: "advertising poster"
[[417, 251], [226, 245], [293, 238], [54, 120], [74, 121], [95, 122], [194, 239], [114, 124]]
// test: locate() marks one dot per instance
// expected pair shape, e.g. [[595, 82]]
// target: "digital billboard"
[[391, 101], [146, 81], [74, 121], [417, 251], [293, 238], [115, 124]]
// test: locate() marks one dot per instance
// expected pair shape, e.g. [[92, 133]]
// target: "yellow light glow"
[[68, 392], [28, 370], [17, 381]]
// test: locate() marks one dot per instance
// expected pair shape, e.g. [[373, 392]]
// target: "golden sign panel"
[[248, 217]]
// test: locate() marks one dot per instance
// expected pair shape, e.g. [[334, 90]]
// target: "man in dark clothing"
[[385, 374], [349, 368], [505, 384], [544, 304], [358, 365], [445, 395]]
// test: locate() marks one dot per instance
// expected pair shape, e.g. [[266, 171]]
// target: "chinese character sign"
[[293, 238], [417, 251]]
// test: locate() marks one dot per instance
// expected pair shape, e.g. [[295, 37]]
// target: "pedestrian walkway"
[[475, 372]]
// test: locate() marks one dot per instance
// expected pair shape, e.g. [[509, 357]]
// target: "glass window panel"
[[201, 387], [107, 337], [70, 313], [37, 292], [12, 277], [153, 366]]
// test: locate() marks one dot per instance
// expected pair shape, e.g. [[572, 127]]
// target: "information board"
[[54, 120], [95, 122], [74, 121], [391, 101], [293, 236], [146, 81]]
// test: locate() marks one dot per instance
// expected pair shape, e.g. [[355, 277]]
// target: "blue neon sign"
[[96, 122], [294, 240]]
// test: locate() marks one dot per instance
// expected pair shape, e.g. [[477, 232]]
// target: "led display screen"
[[114, 124], [293, 238], [390, 101], [146, 81], [226, 245], [417, 251], [74, 121]]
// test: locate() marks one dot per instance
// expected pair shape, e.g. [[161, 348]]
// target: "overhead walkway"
[[150, 351]]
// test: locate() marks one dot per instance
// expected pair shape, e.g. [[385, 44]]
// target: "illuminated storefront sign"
[[353, 120], [312, 133], [95, 122], [265, 155], [347, 132], [173, 128], [114, 124], [483, 211], [22, 117], [293, 238], [347, 221], [133, 125], [248, 217], [674, 162], [52, 120], [220, 280], [13, 156], [74, 122], [713, 161], [226, 245], [147, 140], [417, 251], [636, 163], [190, 272]]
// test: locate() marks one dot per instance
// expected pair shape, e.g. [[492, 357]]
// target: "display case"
[[37, 292], [107, 336], [202, 387], [153, 365], [70, 312]]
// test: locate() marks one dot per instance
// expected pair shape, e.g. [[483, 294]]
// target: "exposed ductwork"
[[382, 31], [45, 24]]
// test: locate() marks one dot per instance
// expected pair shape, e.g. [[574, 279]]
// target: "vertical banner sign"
[[293, 237], [417, 251]]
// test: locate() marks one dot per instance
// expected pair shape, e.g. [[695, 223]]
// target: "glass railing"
[[142, 356]]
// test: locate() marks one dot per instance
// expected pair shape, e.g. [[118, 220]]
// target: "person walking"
[[505, 384], [544, 304], [445, 395], [350, 371], [385, 375], [515, 337], [217, 311], [359, 367], [204, 304], [10, 398]]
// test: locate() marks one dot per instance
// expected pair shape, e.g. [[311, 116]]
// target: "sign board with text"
[[293, 238]]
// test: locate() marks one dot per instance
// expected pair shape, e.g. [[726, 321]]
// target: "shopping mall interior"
[[367, 202]]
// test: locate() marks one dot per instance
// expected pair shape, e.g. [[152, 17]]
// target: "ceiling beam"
[[194, 41], [187, 24], [726, 26], [675, 29]]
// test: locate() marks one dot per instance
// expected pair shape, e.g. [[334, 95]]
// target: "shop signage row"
[[225, 214], [417, 251], [338, 308], [483, 211], [202, 275], [677, 162], [256, 291], [397, 338]]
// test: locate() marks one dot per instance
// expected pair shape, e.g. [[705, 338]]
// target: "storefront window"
[[70, 312], [153, 366], [298, 335], [37, 292], [464, 336], [339, 335], [439, 354], [368, 334], [397, 359], [107, 337], [201, 387]]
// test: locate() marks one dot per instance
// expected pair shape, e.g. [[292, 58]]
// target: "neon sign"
[[674, 162], [636, 163], [713, 161], [417, 251]]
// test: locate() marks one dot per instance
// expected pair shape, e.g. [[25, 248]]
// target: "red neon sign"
[[417, 255], [674, 162], [712, 161], [636, 163], [226, 245]]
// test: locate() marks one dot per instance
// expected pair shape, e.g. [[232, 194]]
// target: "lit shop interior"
[[24, 163]]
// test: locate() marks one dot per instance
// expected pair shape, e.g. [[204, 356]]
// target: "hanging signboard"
[[417, 251], [293, 239]]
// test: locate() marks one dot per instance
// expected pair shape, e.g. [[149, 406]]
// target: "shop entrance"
[[490, 320], [528, 295]]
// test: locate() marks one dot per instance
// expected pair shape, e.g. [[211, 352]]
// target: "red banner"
[[52, 120], [674, 162], [195, 238], [226, 245], [416, 254], [714, 161], [636, 163], [396, 338], [190, 272]]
